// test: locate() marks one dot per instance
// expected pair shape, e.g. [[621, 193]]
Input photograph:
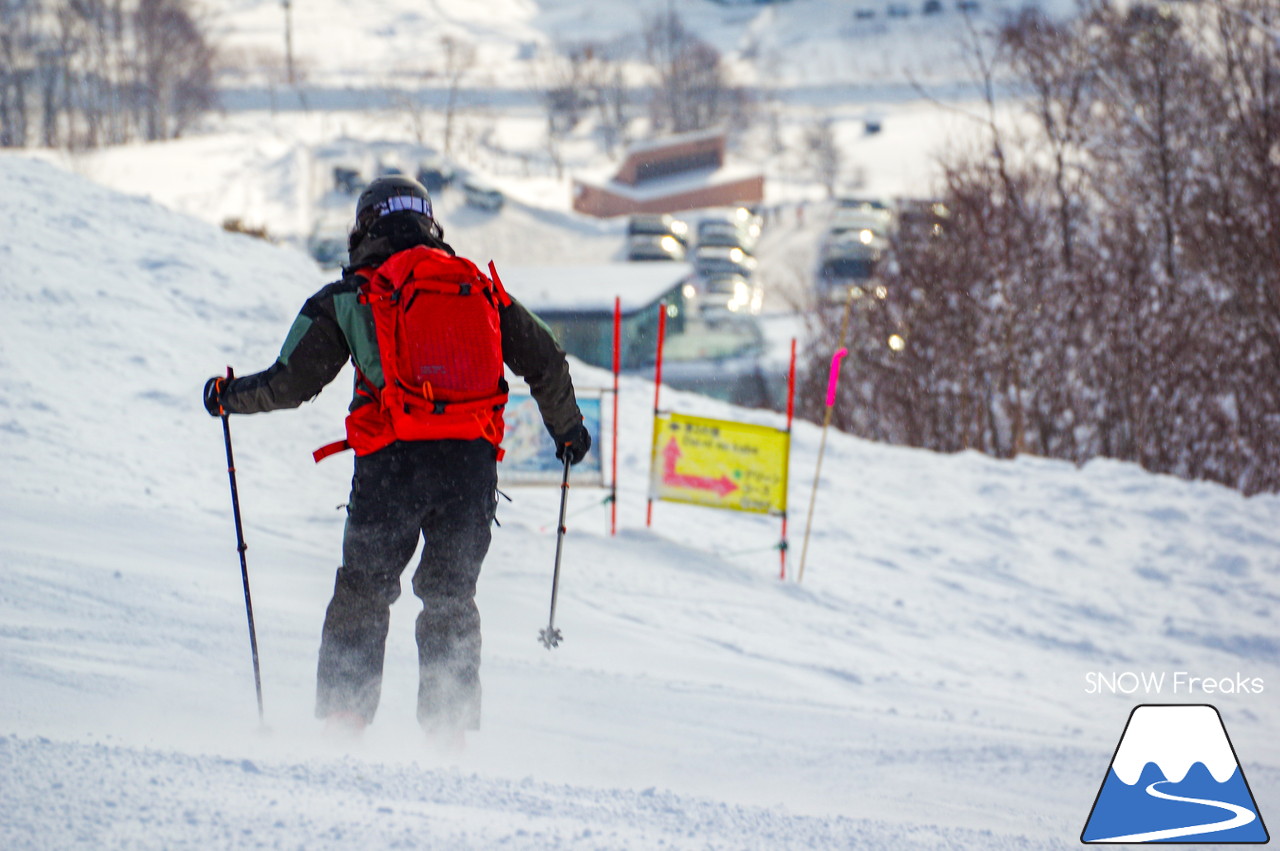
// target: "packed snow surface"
[[928, 684], [954, 670]]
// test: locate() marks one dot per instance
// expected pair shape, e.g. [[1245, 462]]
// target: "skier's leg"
[[457, 535], [381, 534]]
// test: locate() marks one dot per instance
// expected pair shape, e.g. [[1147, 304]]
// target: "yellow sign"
[[719, 463]]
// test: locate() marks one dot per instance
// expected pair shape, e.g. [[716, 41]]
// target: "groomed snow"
[[924, 687]]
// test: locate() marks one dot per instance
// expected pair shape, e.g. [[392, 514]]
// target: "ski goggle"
[[400, 203], [396, 204]]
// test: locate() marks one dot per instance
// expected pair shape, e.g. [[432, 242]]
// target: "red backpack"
[[440, 345]]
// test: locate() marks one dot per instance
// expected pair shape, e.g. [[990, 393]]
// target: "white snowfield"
[[925, 687]]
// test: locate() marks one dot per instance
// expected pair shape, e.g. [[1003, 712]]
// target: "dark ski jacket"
[[333, 327]]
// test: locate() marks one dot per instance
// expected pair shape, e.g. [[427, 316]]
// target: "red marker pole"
[[617, 368], [832, 380], [657, 386]]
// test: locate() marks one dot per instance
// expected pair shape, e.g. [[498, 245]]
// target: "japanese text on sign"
[[719, 463]]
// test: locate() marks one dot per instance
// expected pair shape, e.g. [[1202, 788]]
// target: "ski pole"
[[241, 547], [550, 637]]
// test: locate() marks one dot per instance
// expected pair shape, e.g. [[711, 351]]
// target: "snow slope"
[[765, 44], [926, 685]]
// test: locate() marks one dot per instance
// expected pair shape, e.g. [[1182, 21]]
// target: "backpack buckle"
[[437, 407]]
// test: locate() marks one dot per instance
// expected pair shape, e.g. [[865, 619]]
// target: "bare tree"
[[693, 91], [92, 72], [18, 43], [174, 67], [823, 154], [1108, 284], [457, 59]]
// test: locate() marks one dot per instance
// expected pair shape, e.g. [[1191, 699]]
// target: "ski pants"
[[445, 492]]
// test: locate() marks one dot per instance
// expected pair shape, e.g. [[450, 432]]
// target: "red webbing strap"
[[330, 449], [503, 298]]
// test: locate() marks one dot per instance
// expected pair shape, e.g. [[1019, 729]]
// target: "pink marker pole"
[[832, 380]]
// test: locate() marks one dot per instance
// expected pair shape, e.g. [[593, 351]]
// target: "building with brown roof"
[[684, 172]]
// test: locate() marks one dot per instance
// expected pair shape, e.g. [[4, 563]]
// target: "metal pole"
[[241, 547], [550, 637]]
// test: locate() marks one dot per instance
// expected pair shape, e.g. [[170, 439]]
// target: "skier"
[[441, 483]]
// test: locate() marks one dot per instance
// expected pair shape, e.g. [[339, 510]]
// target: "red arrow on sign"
[[671, 454]]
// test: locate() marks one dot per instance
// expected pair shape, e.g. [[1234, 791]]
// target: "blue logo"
[[1175, 778]]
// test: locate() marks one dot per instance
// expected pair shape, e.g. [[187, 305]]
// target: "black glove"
[[575, 444], [213, 395]]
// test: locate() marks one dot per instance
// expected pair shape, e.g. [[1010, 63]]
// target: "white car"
[[715, 260], [733, 293], [482, 195], [871, 220], [645, 246]]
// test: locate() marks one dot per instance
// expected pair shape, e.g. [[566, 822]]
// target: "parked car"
[[854, 267], [853, 202], [898, 10], [714, 260], [482, 195], [435, 174], [658, 224], [347, 180], [740, 221], [646, 246], [868, 222], [921, 216], [931, 7], [726, 235], [734, 293], [328, 250]]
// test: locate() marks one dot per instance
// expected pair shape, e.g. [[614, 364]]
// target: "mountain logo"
[[1175, 778]]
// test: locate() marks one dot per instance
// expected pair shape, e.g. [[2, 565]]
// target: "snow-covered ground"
[[339, 44], [933, 682], [925, 686]]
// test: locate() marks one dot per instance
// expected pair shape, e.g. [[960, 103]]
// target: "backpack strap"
[[504, 300], [330, 449]]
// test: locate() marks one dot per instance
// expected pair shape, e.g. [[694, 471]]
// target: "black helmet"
[[388, 195]]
